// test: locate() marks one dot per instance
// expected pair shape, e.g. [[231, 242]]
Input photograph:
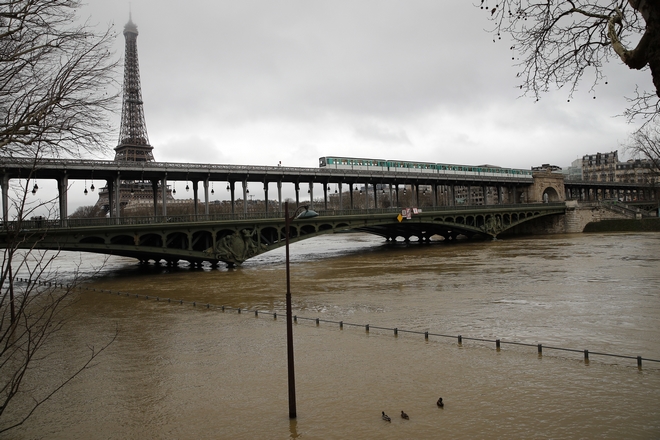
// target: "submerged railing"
[[367, 327]]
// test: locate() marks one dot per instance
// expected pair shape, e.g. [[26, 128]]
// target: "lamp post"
[[289, 320]]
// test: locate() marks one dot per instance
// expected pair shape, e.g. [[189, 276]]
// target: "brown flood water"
[[184, 372]]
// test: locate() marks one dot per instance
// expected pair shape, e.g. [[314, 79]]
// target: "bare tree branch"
[[560, 43], [57, 80], [645, 144], [57, 85]]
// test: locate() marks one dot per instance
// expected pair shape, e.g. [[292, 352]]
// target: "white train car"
[[352, 163]]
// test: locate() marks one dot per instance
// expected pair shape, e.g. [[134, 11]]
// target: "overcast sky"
[[262, 81]]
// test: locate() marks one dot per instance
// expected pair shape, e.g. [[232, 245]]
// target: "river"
[[192, 372]]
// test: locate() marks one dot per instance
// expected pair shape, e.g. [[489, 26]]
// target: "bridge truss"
[[233, 239]]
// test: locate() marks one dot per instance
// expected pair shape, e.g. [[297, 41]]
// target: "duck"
[[386, 417], [404, 416], [439, 402]]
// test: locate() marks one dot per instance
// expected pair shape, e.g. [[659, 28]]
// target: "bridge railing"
[[44, 223], [346, 212]]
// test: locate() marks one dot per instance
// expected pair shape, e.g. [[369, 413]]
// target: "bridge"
[[234, 238], [444, 189], [456, 206]]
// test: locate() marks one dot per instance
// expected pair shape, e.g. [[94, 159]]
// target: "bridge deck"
[[234, 238]]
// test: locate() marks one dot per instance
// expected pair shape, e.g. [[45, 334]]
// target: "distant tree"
[[56, 86], [645, 144], [558, 43], [89, 211]]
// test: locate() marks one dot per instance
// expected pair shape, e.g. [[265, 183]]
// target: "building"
[[600, 167], [574, 172], [605, 167], [636, 171]]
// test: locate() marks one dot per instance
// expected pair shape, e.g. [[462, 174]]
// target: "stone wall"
[[546, 182], [579, 215], [576, 218]]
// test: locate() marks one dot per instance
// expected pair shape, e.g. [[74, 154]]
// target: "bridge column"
[[154, 189], [206, 196], [350, 186], [195, 202], [279, 194], [311, 195], [297, 187], [232, 187], [163, 192], [415, 192], [434, 194], [111, 196], [266, 196], [117, 199], [4, 183], [484, 191], [62, 189], [245, 193], [375, 197], [341, 196], [325, 196]]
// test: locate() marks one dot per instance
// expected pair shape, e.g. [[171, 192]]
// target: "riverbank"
[[624, 225]]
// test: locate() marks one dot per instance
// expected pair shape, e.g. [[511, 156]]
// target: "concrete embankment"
[[624, 225]]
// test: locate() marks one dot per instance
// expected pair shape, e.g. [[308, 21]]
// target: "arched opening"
[[550, 195]]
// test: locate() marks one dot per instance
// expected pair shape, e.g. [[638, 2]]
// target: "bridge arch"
[[122, 239], [177, 240], [236, 240], [151, 239], [92, 240], [550, 195], [547, 182]]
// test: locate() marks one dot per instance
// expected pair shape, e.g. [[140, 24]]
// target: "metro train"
[[352, 163]]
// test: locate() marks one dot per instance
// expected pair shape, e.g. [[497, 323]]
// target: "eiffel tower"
[[133, 143], [133, 140]]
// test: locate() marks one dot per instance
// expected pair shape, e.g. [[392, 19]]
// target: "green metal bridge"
[[234, 238]]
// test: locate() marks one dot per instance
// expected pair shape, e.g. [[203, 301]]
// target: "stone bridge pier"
[[548, 187]]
